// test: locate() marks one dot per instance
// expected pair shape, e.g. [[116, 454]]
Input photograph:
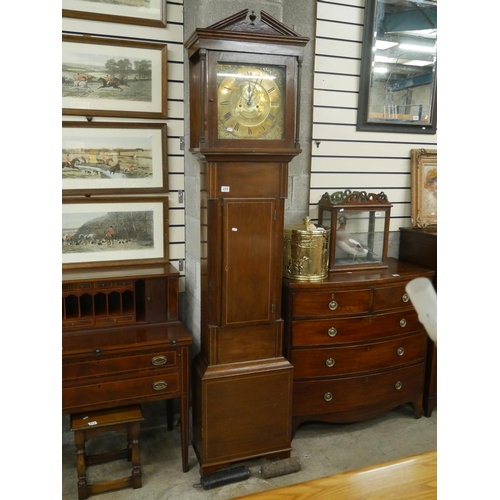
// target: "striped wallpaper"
[[341, 157]]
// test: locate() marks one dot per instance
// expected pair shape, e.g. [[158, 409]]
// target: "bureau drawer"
[[390, 297], [120, 392], [386, 389], [331, 303], [115, 320], [80, 286], [356, 329], [98, 365], [77, 323], [339, 361]]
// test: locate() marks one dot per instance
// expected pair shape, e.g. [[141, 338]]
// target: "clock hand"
[[250, 94]]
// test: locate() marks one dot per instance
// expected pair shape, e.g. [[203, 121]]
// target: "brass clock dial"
[[250, 101]]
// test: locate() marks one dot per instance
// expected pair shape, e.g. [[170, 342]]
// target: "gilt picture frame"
[[114, 158], [113, 77], [138, 12], [114, 231], [423, 187]]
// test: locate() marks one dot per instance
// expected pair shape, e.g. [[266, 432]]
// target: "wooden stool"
[[127, 420]]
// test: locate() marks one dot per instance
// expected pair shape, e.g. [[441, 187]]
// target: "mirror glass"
[[398, 67]]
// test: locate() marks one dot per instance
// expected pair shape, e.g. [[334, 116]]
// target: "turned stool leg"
[[81, 469], [135, 430]]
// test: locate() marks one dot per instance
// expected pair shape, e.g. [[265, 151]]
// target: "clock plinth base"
[[241, 411]]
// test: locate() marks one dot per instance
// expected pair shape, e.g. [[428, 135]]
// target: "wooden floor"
[[409, 478]]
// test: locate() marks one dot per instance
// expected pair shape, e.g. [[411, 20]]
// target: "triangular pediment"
[[243, 26], [244, 22]]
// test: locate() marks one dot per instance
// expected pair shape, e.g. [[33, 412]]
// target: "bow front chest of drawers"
[[123, 343], [356, 345]]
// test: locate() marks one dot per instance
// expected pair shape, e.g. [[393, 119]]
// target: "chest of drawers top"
[[353, 293]]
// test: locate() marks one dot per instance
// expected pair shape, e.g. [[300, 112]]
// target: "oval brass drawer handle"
[[332, 331], [405, 298], [160, 385], [330, 362], [400, 351], [328, 396], [159, 360], [402, 322], [333, 305], [398, 385]]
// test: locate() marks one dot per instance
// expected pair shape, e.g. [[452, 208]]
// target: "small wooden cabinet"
[[419, 246], [122, 341], [355, 343]]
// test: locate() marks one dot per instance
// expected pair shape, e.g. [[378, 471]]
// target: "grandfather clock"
[[244, 108]]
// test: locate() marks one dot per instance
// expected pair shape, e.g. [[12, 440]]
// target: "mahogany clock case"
[[241, 381]]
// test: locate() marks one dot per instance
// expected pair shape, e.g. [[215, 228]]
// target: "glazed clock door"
[[249, 261], [250, 102]]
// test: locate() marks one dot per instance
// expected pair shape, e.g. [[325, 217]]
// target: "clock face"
[[250, 101]]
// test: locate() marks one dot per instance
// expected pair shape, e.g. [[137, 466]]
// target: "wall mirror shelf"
[[398, 79]]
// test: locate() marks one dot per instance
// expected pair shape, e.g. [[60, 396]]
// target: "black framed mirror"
[[398, 80]]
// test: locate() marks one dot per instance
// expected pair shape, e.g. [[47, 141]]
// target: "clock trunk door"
[[249, 261]]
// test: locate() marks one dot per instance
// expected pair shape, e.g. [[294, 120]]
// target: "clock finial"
[[252, 18]]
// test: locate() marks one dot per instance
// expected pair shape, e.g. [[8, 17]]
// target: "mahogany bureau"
[[355, 342], [122, 341]]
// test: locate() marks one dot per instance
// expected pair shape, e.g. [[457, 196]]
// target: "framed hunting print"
[[113, 77], [118, 158], [111, 231], [141, 12]]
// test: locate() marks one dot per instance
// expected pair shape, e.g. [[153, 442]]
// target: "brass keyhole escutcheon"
[[333, 305], [330, 362], [400, 351], [405, 298], [402, 322], [332, 331], [328, 396], [398, 385]]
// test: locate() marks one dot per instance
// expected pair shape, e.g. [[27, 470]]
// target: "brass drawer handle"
[[402, 322], [333, 305], [330, 362], [160, 385], [400, 351], [328, 396], [398, 385], [332, 331], [159, 360], [405, 298]]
